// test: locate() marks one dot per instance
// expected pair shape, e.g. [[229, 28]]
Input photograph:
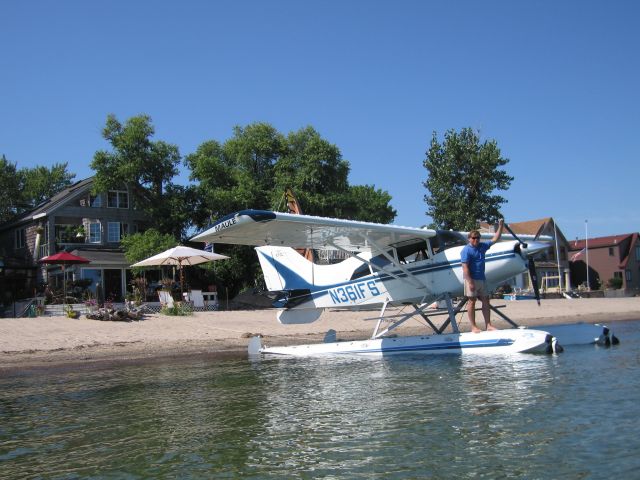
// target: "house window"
[[115, 231], [95, 201], [21, 238], [627, 275], [611, 254], [617, 275], [638, 253], [95, 233], [117, 199], [44, 242]]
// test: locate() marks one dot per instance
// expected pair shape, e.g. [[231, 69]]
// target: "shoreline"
[[28, 344]]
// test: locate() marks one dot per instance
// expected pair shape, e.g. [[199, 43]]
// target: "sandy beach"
[[54, 341]]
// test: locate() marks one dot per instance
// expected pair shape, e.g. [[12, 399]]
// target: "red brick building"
[[615, 256]]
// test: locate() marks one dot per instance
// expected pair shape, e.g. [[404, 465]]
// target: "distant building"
[[615, 256], [77, 221]]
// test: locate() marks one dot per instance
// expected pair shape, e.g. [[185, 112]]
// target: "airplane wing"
[[262, 227]]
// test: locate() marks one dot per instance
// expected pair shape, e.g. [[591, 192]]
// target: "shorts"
[[479, 292]]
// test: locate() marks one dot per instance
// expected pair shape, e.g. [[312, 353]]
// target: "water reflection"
[[491, 383], [397, 417]]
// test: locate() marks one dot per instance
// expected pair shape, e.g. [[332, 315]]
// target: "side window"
[[115, 231], [117, 199], [21, 238], [95, 201], [95, 233]]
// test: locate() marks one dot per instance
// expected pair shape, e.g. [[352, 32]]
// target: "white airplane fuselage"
[[423, 281]]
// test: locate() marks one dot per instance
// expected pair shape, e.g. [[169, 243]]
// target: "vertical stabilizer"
[[284, 268]]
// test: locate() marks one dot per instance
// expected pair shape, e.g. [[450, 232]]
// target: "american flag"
[[577, 255]]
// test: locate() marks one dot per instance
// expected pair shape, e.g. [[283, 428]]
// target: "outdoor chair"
[[198, 300], [166, 300]]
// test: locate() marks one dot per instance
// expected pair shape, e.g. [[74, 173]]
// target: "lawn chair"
[[198, 300], [166, 299]]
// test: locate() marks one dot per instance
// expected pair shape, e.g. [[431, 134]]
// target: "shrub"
[[179, 309], [614, 283]]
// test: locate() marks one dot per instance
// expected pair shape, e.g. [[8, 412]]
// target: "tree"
[[143, 245], [462, 178], [255, 166], [316, 172], [23, 189], [236, 175], [42, 183], [367, 204], [9, 190], [147, 167]]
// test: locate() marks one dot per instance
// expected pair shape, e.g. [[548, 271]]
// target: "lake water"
[[574, 415]]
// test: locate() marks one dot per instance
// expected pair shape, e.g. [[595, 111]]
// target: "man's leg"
[[486, 313], [471, 312]]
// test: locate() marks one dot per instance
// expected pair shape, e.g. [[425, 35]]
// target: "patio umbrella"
[[180, 256], [63, 259]]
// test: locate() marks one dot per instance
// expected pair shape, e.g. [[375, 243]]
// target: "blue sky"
[[556, 84]]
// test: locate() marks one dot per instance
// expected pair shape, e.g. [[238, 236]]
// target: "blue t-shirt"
[[474, 257]]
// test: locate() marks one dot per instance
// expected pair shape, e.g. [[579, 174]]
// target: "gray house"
[[79, 222]]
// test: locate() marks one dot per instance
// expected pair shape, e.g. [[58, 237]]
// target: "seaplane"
[[384, 266]]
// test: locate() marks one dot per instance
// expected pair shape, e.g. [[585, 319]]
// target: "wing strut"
[[373, 265], [410, 276]]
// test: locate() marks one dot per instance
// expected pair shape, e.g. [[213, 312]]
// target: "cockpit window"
[[446, 239], [364, 269], [407, 253]]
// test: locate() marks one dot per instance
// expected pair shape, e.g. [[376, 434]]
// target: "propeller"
[[524, 248]]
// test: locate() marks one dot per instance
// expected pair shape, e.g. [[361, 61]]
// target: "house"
[[77, 221], [615, 256], [552, 265]]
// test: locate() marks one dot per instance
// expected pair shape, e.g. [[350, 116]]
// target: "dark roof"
[[48, 206], [103, 257], [606, 242], [599, 242], [61, 197]]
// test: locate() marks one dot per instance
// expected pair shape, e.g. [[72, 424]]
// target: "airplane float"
[[386, 265]]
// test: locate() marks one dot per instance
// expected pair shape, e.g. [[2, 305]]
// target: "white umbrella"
[[180, 256]]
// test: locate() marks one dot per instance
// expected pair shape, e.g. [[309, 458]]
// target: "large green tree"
[[463, 177], [23, 189], [237, 174], [143, 245], [148, 168], [9, 190], [42, 183]]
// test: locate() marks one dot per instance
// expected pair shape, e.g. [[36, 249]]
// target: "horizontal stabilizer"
[[288, 298], [288, 317]]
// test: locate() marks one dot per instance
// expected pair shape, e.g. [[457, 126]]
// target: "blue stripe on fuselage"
[[361, 288]]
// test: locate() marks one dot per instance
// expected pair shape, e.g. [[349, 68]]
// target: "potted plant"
[[71, 313], [80, 233]]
